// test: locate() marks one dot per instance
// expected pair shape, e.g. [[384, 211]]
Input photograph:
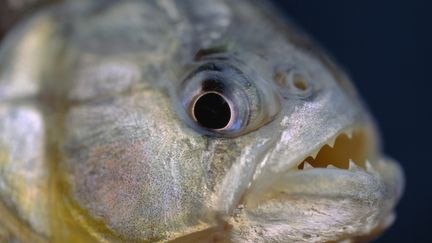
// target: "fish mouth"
[[344, 180], [351, 152]]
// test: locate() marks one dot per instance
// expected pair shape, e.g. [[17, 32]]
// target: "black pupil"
[[212, 111]]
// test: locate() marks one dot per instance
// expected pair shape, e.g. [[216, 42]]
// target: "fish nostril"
[[300, 82], [293, 83], [212, 111]]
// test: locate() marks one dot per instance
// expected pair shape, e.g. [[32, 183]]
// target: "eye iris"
[[212, 111]]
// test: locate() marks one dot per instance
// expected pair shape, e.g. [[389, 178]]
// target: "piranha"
[[183, 121]]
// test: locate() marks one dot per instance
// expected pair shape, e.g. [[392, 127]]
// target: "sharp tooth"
[[353, 166], [369, 167], [307, 166], [332, 167], [349, 133], [332, 142], [314, 154]]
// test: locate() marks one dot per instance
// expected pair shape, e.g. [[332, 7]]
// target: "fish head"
[[308, 163], [211, 121], [252, 135]]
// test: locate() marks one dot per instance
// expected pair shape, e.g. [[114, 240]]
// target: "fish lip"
[[385, 171]]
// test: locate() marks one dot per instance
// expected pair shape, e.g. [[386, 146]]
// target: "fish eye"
[[212, 110], [220, 98], [218, 104]]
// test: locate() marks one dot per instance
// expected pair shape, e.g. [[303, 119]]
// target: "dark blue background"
[[386, 47]]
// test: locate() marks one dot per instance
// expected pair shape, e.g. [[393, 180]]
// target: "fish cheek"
[[223, 154], [134, 166]]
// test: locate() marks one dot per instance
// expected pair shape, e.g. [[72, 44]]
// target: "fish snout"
[[341, 189]]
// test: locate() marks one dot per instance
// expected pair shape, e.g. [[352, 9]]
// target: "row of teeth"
[[331, 143], [352, 167]]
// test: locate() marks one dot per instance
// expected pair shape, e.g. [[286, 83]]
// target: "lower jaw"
[[315, 183], [359, 201], [379, 180]]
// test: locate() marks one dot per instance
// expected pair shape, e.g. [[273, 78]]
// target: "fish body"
[[182, 121]]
